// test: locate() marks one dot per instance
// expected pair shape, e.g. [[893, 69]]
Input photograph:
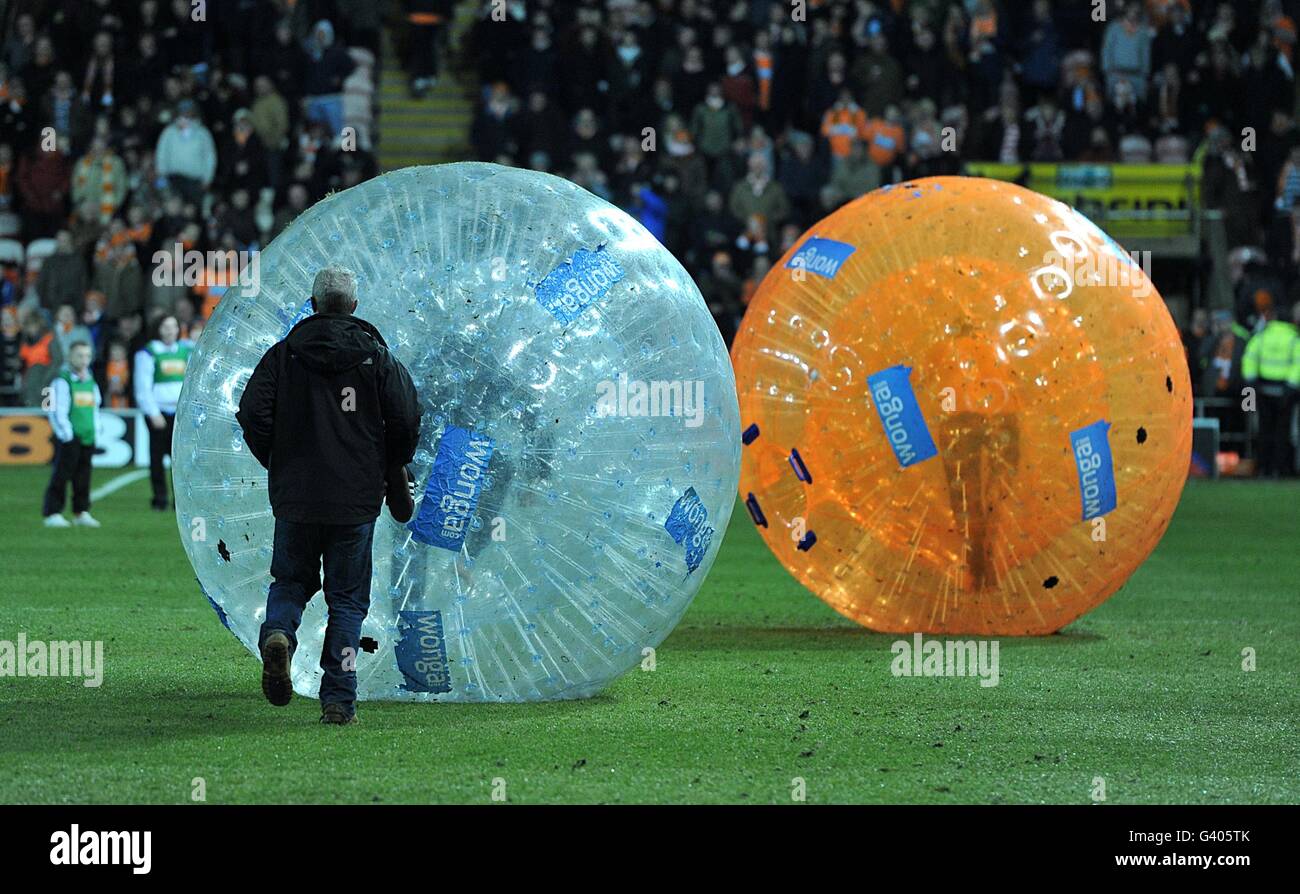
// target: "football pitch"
[[761, 694]]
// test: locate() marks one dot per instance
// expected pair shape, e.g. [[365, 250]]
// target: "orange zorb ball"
[[966, 410]]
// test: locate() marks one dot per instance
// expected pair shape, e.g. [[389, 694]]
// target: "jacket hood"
[[334, 343]]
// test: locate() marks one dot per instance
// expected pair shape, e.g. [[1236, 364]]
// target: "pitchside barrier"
[[121, 438]]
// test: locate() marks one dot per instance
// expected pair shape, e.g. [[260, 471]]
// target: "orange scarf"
[[763, 67]]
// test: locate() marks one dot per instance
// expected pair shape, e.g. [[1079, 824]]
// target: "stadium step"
[[432, 130]]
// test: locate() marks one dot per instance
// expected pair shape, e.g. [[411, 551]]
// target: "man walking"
[[331, 414]]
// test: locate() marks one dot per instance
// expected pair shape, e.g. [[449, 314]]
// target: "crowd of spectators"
[[762, 120], [130, 127]]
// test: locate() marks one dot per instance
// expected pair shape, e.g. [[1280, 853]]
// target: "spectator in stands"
[[101, 73], [11, 358], [758, 194], [100, 178], [721, 288], [269, 116], [186, 155], [886, 139], [145, 69], [717, 126], [62, 279], [1126, 51], [714, 230], [930, 72], [843, 125], [17, 121], [1195, 335], [1288, 182], [40, 73], [829, 87], [924, 141], [116, 273], [68, 331], [1046, 131], [427, 20], [1041, 53], [801, 174], [540, 129], [243, 164], [20, 47], [326, 67], [984, 60], [296, 205], [1226, 186], [44, 180], [876, 76], [117, 376], [64, 109], [495, 129], [40, 354], [855, 175]]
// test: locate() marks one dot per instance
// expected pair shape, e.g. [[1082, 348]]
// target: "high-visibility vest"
[[81, 414], [1271, 355], [169, 363]]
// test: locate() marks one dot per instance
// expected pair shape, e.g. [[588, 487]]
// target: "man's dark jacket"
[[327, 448]]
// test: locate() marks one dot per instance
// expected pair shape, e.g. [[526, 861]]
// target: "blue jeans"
[[328, 110], [295, 572]]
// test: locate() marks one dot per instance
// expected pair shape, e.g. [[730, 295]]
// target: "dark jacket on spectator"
[[123, 287], [62, 280], [326, 76]]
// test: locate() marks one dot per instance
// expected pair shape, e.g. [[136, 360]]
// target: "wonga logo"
[[1091, 446], [452, 492], [824, 257], [573, 287], [422, 652]]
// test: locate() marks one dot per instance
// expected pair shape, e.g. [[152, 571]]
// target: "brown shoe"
[[334, 713], [277, 685]]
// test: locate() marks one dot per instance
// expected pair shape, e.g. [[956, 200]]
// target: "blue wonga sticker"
[[422, 652], [452, 492], [900, 414], [824, 257], [1091, 448], [574, 286], [688, 525]]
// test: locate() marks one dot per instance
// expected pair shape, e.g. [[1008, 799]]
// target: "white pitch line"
[[118, 483]]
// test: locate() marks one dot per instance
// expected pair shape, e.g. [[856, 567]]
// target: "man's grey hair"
[[335, 289]]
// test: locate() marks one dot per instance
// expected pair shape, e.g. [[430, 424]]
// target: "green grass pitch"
[[760, 684]]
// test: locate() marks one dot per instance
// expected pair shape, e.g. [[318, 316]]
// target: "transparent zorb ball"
[[579, 447]]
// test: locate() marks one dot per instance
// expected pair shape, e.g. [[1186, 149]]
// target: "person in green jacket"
[[1272, 364], [72, 405]]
